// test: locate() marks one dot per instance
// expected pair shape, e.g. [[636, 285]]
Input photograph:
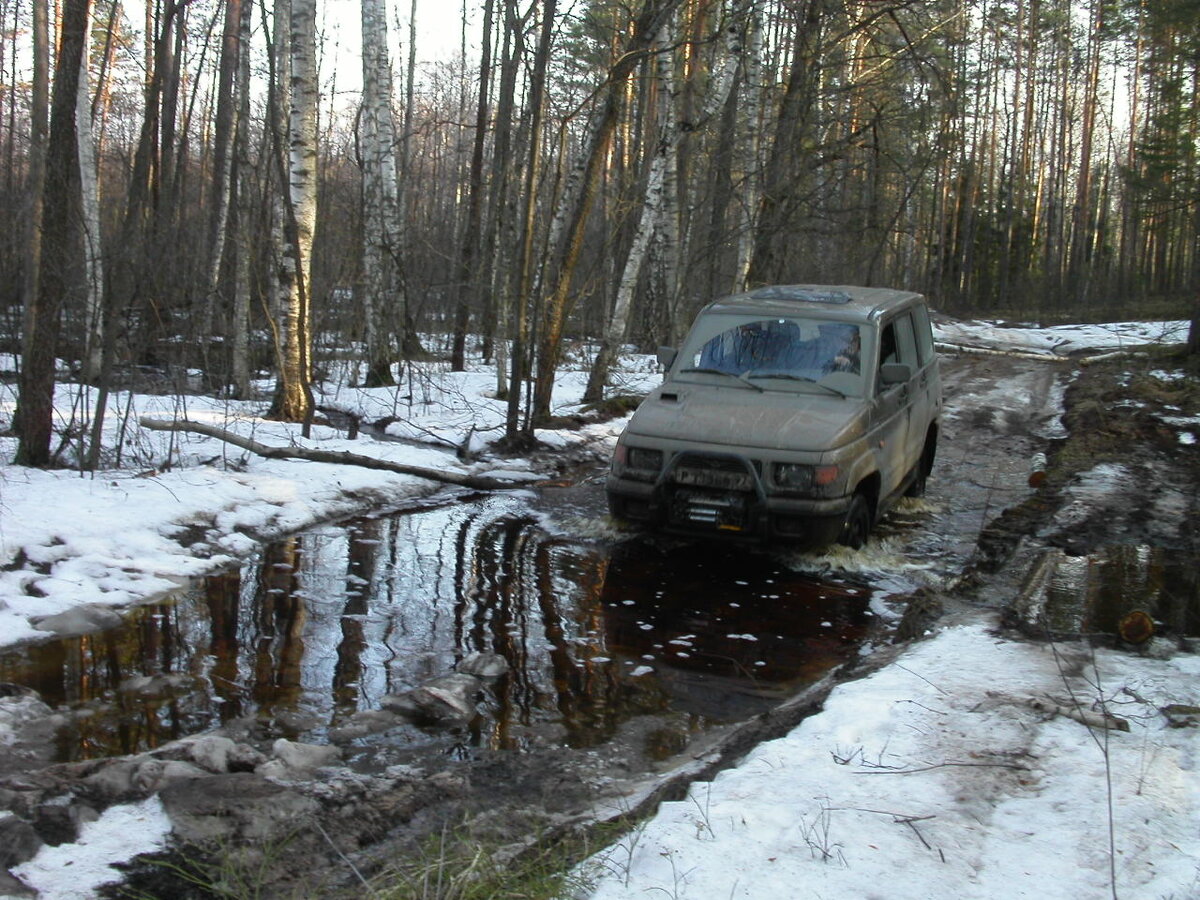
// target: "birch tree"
[[381, 284], [93, 266], [293, 392], [279, 272], [653, 203], [746, 178], [659, 199]]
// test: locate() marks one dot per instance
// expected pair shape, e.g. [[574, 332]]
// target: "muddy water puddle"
[[596, 630]]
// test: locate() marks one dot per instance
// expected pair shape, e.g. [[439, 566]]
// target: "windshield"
[[777, 353]]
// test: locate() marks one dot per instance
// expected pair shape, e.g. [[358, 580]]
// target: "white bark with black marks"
[[381, 285]]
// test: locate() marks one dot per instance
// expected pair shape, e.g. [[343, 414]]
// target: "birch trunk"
[[381, 278], [279, 274], [668, 246], [293, 397], [93, 268], [748, 180], [652, 208]]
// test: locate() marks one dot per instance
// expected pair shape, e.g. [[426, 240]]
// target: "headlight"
[[793, 476], [799, 477], [636, 463], [642, 458]]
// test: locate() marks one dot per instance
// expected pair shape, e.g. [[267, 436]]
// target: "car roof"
[[840, 302]]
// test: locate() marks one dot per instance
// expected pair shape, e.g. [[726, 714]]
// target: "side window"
[[906, 340], [887, 344], [925, 349], [898, 343]]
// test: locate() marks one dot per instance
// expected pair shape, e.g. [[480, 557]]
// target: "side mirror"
[[666, 356], [894, 373]]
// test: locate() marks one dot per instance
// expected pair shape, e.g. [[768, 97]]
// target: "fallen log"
[[951, 347], [1096, 721], [477, 482], [1113, 354]]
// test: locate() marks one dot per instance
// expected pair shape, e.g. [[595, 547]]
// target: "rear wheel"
[[857, 525]]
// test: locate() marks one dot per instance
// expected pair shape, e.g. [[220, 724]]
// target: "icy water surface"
[[596, 629]]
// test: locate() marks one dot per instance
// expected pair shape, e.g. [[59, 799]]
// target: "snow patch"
[[74, 871]]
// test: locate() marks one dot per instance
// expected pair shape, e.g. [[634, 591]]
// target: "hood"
[[741, 418]]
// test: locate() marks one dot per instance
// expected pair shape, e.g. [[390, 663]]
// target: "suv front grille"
[[712, 492], [712, 510]]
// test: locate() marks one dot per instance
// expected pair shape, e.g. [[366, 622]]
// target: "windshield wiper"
[[789, 376], [742, 378]]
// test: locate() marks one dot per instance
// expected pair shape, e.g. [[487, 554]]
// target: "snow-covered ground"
[[944, 774], [183, 504], [947, 774]]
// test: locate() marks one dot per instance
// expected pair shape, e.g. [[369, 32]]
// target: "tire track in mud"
[[999, 413]]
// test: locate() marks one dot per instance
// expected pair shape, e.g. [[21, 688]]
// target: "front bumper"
[[729, 508]]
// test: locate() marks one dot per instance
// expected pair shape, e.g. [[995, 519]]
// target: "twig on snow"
[[944, 765]]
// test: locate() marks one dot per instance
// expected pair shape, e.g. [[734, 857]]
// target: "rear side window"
[[924, 334]]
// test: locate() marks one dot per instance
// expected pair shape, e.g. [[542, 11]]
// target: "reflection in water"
[[325, 624], [704, 617], [128, 688], [1090, 594]]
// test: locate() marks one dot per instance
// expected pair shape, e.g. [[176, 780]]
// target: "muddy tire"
[[857, 526], [924, 467], [616, 511]]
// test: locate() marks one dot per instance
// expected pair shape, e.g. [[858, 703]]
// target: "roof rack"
[[800, 294]]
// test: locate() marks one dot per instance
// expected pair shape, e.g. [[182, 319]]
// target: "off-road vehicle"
[[792, 413]]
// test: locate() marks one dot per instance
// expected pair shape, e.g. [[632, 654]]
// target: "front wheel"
[[924, 467], [857, 525], [616, 511]]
